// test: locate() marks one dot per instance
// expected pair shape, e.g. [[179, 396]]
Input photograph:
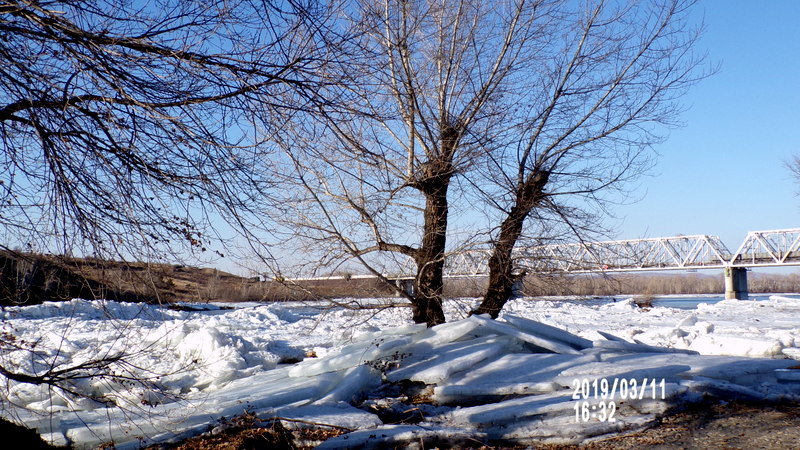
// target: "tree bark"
[[434, 183], [427, 305], [501, 276]]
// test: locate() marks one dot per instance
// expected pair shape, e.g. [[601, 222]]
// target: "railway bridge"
[[773, 248]]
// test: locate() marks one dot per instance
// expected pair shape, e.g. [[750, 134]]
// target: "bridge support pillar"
[[516, 289], [519, 285], [406, 285], [736, 283]]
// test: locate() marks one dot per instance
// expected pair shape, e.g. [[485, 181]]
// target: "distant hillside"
[[27, 278]]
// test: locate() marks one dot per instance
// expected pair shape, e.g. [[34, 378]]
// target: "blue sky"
[[724, 172]]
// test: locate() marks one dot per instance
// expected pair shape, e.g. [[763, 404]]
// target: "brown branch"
[[8, 111], [54, 377], [139, 44]]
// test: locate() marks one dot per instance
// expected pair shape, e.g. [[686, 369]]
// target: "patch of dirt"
[[402, 402], [704, 426], [247, 432]]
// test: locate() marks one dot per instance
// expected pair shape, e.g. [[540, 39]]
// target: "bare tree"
[[416, 108], [608, 91], [459, 112], [126, 127], [793, 166]]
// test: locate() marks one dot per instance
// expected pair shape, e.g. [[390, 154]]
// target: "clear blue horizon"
[[724, 173]]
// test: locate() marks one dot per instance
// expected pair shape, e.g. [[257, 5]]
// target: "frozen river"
[[691, 301]]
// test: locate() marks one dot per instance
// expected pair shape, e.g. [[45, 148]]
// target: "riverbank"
[[715, 426]]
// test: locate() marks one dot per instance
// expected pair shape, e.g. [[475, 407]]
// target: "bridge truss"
[[759, 249], [769, 248], [772, 248]]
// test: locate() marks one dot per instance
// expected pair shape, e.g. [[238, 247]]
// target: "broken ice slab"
[[523, 368], [339, 414], [512, 410], [354, 381], [625, 346], [621, 371], [418, 352], [792, 352], [743, 371], [554, 345], [456, 357], [446, 332], [547, 331], [723, 389], [454, 393], [788, 374], [354, 356], [611, 337], [562, 430]]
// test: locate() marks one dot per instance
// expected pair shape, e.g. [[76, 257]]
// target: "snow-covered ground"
[[560, 370]]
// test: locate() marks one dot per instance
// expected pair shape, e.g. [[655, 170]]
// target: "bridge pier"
[[406, 285], [519, 284], [736, 283], [517, 288]]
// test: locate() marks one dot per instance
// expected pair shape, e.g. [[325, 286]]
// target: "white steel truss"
[[467, 263], [680, 252], [759, 249], [769, 248]]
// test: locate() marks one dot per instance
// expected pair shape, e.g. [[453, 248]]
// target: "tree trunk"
[[427, 305], [501, 276]]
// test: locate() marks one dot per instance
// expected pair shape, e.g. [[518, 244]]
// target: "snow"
[[517, 379]]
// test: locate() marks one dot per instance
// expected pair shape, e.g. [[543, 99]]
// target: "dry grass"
[[702, 426], [723, 425], [248, 432]]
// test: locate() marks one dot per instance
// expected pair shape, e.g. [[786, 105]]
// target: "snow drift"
[[521, 379]]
